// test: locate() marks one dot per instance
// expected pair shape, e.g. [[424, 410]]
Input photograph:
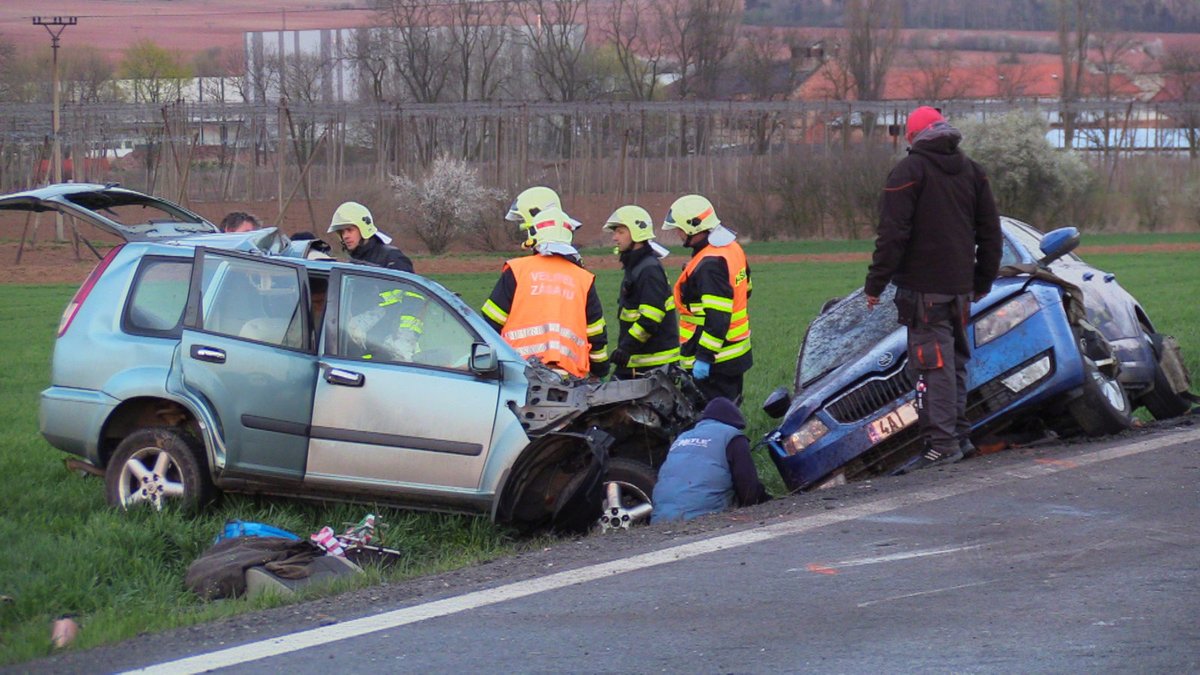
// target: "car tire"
[[1162, 401], [1103, 406], [634, 487], [155, 467]]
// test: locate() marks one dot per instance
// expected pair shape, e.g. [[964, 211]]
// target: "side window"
[[251, 300], [1008, 254], [159, 295], [393, 321]]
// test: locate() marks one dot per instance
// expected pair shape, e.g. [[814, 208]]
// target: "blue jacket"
[[695, 479]]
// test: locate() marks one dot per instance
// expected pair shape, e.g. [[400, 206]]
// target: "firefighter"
[[532, 201], [648, 335], [364, 242], [546, 305], [392, 328], [711, 297]]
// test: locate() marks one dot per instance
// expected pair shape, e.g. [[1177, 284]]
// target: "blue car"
[[1057, 345]]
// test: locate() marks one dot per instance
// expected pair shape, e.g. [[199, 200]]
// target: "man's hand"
[[701, 369], [619, 357], [872, 300]]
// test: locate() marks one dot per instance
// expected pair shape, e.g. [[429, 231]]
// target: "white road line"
[[357, 627], [919, 593], [887, 558]]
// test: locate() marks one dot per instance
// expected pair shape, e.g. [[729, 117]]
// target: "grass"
[[122, 574]]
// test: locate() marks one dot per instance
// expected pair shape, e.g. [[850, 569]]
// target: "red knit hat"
[[920, 120]]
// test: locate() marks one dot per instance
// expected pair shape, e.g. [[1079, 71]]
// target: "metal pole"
[[60, 23]]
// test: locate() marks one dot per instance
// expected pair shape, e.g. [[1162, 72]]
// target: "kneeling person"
[[709, 468]]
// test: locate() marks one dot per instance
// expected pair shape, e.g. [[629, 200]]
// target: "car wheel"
[[1103, 407], [1163, 401], [155, 467], [628, 486]]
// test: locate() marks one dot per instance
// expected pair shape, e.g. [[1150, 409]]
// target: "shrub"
[[448, 201], [1030, 178]]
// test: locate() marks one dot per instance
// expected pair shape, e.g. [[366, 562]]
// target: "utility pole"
[[55, 27]]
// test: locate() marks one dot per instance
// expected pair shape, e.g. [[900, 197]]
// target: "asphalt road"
[[1066, 558]]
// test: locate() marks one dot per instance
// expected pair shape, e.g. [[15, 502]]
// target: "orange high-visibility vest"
[[549, 312], [736, 342]]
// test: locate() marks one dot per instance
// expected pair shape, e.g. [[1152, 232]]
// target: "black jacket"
[[374, 252], [645, 286], [939, 231]]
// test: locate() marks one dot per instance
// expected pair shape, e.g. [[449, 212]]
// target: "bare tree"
[[630, 31], [477, 36], [88, 76], [873, 33], [700, 35], [1075, 22], [1108, 50], [1014, 77], [368, 50], [420, 53], [555, 32], [1181, 72], [768, 77], [934, 79]]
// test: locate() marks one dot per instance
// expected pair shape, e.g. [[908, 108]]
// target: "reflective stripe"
[[717, 302], [740, 333], [532, 349], [670, 303], [412, 323], [629, 315], [599, 356], [492, 311], [596, 328], [710, 342], [397, 295], [552, 327], [657, 359], [651, 312], [638, 333]]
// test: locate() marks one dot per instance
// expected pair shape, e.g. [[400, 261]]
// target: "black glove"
[[599, 369], [619, 357]]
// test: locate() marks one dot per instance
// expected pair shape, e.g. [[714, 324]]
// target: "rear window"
[[159, 295]]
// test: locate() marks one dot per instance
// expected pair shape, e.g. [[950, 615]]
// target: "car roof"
[[128, 214]]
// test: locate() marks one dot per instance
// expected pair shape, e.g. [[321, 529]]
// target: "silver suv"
[[191, 361]]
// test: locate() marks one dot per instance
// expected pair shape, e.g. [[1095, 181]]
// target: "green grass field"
[[121, 575]]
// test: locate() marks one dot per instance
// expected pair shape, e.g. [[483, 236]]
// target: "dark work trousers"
[[938, 352], [729, 386]]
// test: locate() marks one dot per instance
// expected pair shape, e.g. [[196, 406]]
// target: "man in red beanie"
[[939, 242]]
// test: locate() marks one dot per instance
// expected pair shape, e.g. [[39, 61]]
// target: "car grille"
[[868, 397]]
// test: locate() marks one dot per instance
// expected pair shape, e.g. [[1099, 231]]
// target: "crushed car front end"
[[858, 419]]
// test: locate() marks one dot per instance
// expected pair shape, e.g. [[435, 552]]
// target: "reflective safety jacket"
[[547, 306], [649, 331], [711, 297]]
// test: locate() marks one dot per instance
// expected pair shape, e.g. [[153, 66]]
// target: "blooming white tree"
[[448, 201], [1030, 178]]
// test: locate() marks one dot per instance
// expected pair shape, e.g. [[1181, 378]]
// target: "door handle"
[[345, 378], [1087, 276], [210, 354], [1109, 277]]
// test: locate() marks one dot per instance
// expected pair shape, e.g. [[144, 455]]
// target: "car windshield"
[[844, 331]]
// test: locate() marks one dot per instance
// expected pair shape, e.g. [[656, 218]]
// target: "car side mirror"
[[1058, 243], [777, 403], [483, 358]]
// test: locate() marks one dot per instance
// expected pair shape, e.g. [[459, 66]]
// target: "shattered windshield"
[[844, 331]]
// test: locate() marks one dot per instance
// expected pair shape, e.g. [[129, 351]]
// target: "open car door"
[[249, 349]]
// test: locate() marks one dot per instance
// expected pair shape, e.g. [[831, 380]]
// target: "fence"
[[249, 152]]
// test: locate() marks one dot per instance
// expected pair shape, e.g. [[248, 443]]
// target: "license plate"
[[892, 422]]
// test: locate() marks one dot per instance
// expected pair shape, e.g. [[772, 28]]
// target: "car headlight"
[[810, 433], [1005, 318]]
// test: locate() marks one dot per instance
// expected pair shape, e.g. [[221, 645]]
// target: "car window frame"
[[192, 314], [144, 265], [333, 309]]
